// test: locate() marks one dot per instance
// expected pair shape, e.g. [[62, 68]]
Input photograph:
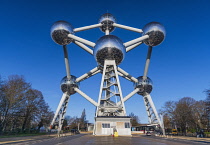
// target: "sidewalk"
[[186, 138], [30, 138]]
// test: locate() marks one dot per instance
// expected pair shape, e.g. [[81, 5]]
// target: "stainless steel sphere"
[[156, 32], [60, 31], [68, 85], [144, 85], [107, 20], [109, 47]]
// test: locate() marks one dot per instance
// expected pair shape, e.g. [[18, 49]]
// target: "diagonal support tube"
[[84, 47], [133, 46], [86, 96], [120, 74], [129, 43], [87, 27], [89, 43], [130, 95], [128, 28], [90, 73], [127, 75]]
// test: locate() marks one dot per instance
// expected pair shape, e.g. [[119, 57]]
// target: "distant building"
[[90, 127]]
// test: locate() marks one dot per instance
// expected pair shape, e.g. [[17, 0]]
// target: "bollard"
[[115, 134]]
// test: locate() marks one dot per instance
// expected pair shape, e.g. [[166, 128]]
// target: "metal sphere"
[[109, 47], [68, 85], [107, 20], [60, 31], [156, 32], [144, 85]]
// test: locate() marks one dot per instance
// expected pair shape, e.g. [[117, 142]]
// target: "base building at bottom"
[[107, 125]]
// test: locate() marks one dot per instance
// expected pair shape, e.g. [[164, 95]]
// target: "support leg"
[[60, 112], [152, 112]]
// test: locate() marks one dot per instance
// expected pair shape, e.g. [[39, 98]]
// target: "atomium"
[[60, 31], [109, 47], [145, 86], [68, 85], [107, 20], [156, 32], [108, 51]]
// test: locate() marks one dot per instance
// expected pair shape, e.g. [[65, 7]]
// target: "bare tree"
[[168, 114], [134, 119], [183, 113], [21, 106], [2, 105], [199, 112], [13, 97], [36, 110], [74, 121], [207, 105]]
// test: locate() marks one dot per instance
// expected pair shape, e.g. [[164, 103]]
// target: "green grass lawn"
[[22, 134]]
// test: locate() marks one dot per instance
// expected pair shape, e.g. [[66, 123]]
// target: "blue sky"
[[179, 66]]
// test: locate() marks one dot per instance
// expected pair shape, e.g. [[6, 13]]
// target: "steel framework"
[[110, 99]]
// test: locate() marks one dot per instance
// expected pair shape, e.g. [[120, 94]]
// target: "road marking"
[[15, 141]]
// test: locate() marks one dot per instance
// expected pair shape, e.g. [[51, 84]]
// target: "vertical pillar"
[[66, 58], [109, 108], [110, 90]]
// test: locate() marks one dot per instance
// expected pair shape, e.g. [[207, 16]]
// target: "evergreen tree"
[[83, 121]]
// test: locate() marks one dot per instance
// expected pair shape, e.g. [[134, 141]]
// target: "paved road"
[[87, 139]]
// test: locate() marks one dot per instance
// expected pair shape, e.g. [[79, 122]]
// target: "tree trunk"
[[25, 120], [4, 120]]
